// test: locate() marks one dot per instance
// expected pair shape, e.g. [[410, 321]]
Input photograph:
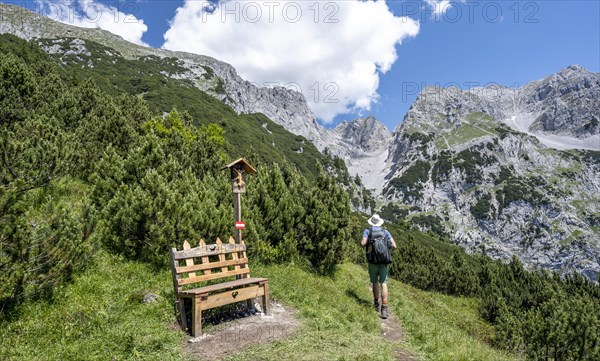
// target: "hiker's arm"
[[389, 236], [363, 242]]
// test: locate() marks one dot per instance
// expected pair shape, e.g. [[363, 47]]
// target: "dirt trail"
[[392, 331], [240, 333]]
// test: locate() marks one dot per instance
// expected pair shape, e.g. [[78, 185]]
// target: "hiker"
[[379, 244]]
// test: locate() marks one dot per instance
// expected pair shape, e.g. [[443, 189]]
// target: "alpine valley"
[[501, 171]]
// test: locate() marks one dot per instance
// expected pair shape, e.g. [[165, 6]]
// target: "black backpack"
[[378, 247]]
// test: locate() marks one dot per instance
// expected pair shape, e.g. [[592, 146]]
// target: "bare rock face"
[[472, 165], [567, 103], [564, 105], [284, 106], [363, 144], [364, 134], [461, 164]]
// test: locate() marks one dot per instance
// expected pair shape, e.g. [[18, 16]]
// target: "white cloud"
[[334, 51], [439, 6], [90, 14]]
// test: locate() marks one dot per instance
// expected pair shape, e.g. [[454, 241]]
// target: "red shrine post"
[[238, 170]]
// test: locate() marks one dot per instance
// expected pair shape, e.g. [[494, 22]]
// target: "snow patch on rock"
[[522, 123]]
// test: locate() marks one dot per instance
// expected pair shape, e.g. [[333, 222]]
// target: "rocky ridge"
[[459, 168], [219, 79]]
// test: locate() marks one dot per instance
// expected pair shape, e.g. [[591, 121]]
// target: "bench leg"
[[196, 317], [181, 308], [265, 299]]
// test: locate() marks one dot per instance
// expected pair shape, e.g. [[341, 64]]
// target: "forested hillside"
[[158, 81], [152, 78], [81, 168], [87, 171]]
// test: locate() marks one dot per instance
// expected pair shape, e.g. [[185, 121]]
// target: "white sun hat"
[[375, 221]]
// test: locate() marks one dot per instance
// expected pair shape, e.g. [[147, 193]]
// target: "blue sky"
[[467, 43]]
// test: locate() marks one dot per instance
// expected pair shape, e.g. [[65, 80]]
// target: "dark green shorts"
[[378, 273]]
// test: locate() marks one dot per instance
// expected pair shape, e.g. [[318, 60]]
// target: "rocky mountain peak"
[[436, 108], [571, 78], [365, 134], [561, 110], [574, 70], [496, 168], [565, 104]]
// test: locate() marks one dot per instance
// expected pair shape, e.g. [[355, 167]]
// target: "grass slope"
[[441, 327], [99, 316]]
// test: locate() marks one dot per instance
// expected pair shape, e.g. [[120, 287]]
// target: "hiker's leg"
[[384, 293], [373, 276], [383, 271], [384, 301]]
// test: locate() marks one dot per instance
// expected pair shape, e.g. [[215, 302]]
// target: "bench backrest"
[[208, 262]]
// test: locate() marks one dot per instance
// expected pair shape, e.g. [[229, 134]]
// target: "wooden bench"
[[192, 266]]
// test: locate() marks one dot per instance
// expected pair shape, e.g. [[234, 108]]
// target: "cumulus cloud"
[[439, 6], [90, 14], [333, 52]]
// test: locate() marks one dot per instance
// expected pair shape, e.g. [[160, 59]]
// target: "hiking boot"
[[384, 311], [376, 304]]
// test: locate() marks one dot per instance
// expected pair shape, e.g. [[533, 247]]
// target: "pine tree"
[[18, 90], [41, 243], [163, 191], [325, 237], [276, 212]]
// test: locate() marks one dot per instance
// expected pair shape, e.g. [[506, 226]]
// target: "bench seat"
[[223, 286], [195, 266]]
